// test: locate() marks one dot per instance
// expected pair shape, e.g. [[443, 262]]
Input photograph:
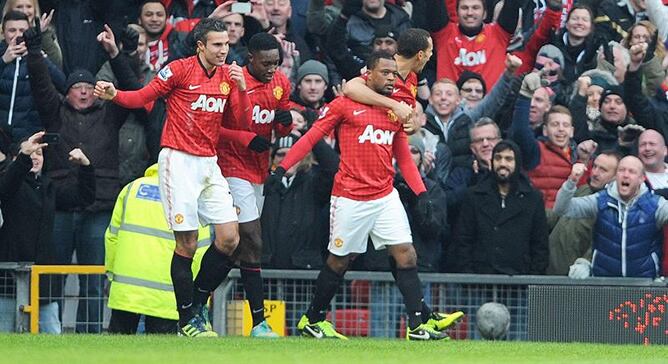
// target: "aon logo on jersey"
[[466, 58], [262, 116], [376, 136], [210, 104]]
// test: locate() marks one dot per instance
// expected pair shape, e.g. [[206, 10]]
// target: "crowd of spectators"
[[524, 105]]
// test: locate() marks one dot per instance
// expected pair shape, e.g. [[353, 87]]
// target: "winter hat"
[[312, 67], [285, 142], [467, 75], [417, 142], [612, 90], [553, 53], [77, 76], [385, 31], [599, 81]]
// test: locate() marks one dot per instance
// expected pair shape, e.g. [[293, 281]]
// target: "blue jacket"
[[25, 120], [627, 242]]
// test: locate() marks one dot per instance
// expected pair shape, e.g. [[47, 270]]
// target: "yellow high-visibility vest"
[[139, 249]]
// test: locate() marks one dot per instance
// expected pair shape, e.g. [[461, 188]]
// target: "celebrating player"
[[268, 90], [198, 90], [414, 49], [364, 202]]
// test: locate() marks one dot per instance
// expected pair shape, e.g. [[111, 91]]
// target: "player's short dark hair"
[[263, 42], [205, 26], [375, 57], [13, 15], [412, 41]]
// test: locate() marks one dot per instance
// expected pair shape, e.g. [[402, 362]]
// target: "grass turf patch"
[[67, 349]]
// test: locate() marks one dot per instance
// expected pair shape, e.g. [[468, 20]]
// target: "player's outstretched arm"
[[357, 90], [406, 165], [127, 99]]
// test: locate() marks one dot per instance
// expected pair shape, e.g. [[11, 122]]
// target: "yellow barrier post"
[[38, 270]]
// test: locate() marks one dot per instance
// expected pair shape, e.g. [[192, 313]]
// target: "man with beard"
[[628, 220], [502, 228], [571, 238]]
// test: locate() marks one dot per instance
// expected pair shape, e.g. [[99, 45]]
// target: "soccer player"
[[268, 90], [364, 202], [414, 50], [199, 91]]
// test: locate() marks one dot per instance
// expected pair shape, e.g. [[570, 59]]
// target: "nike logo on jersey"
[[250, 91], [315, 332], [395, 90], [194, 87], [357, 112]]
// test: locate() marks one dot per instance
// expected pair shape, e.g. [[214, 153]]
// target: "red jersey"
[[369, 137], [196, 104], [235, 159], [484, 54]]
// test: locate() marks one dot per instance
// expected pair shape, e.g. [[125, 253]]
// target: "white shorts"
[[352, 222], [248, 198], [193, 191]]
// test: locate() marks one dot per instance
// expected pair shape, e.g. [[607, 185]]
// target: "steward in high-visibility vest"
[[139, 248]]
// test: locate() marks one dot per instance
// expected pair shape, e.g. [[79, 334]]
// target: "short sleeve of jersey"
[[169, 77]]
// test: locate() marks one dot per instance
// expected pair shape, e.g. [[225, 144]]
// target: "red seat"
[[351, 322]]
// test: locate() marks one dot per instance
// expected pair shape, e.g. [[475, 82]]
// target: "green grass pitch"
[[68, 349]]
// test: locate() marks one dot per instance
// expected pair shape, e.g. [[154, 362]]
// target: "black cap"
[[77, 76], [468, 75], [612, 90], [385, 31]]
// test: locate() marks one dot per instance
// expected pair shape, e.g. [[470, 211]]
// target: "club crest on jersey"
[[224, 88], [392, 116], [278, 92], [165, 73], [210, 104], [480, 38], [467, 58], [414, 90], [376, 136]]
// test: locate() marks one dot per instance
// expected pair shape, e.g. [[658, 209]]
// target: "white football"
[[493, 321]]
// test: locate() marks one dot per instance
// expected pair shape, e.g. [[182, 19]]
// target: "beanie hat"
[[612, 90], [417, 142], [468, 75], [599, 81], [312, 67], [385, 31], [285, 142], [553, 53], [79, 75]]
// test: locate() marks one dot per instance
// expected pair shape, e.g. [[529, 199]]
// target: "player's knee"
[[339, 264], [186, 243], [227, 242], [406, 257]]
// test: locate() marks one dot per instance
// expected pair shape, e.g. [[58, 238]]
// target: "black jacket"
[[577, 59], [491, 239], [25, 119], [94, 130], [295, 220], [29, 205]]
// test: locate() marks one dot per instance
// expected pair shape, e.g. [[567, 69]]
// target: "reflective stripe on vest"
[[153, 232], [142, 283]]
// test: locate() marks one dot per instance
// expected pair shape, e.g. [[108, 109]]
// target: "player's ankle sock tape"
[[214, 269], [326, 285], [182, 280], [411, 288], [251, 277]]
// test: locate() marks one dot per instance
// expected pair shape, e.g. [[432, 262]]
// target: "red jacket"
[[554, 168]]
